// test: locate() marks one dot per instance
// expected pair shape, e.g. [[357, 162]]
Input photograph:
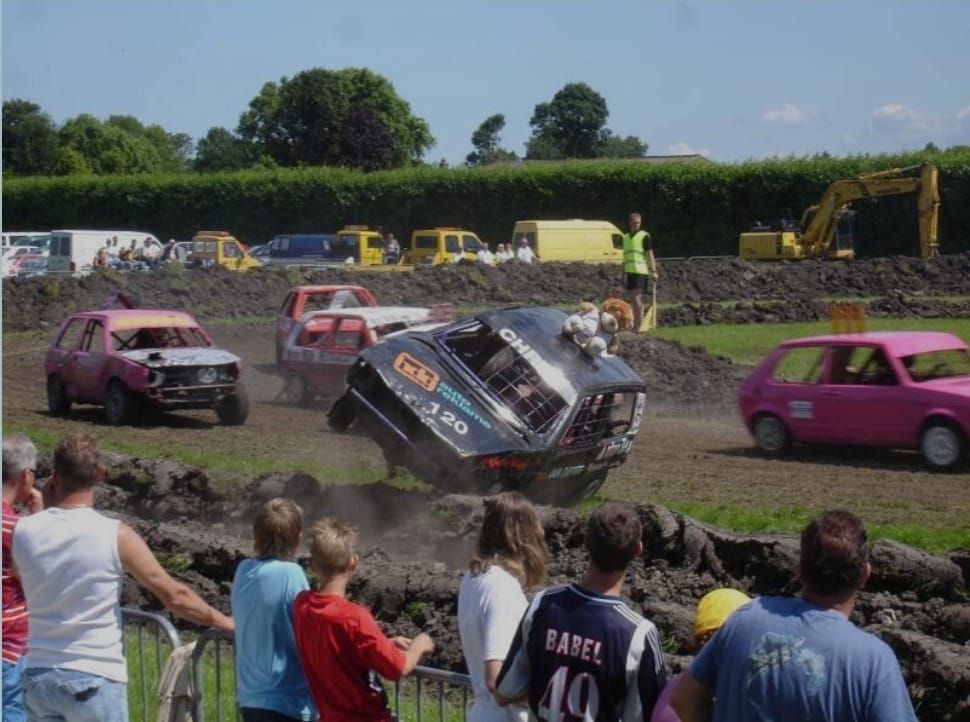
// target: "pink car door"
[[91, 363], [62, 356], [862, 400], [794, 390]]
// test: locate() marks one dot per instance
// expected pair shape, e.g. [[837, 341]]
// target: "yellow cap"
[[715, 607]]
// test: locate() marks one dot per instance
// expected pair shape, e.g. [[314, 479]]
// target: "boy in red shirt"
[[341, 647]]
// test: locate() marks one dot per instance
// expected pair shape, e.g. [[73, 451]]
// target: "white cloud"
[[899, 118], [684, 148], [964, 113], [787, 114]]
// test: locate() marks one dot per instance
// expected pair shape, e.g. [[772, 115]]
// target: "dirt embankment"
[[418, 544], [800, 286]]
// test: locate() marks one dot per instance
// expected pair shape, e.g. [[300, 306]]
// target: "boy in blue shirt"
[[270, 684]]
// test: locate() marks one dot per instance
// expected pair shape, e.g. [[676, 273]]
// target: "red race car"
[[324, 344], [301, 300], [907, 390]]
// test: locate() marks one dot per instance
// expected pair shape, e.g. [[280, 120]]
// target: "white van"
[[74, 251]]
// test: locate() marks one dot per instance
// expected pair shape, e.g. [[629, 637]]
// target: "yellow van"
[[442, 245], [218, 248], [572, 240]]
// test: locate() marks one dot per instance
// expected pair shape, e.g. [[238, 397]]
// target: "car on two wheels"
[[131, 361], [905, 390]]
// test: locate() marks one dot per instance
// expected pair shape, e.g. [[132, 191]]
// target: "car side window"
[[287, 308], [853, 365], [451, 244], [618, 241], [800, 365], [72, 335], [470, 243], [875, 370], [93, 341], [350, 334], [231, 250]]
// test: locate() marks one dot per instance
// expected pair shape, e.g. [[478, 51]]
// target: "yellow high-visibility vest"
[[635, 253]]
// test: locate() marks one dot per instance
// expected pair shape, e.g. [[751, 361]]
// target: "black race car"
[[499, 401]]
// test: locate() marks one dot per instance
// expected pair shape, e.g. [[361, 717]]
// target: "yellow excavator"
[[825, 230]]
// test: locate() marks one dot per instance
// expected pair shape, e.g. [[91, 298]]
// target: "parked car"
[[261, 252], [129, 359], [324, 344], [219, 248], [28, 264], [499, 401], [10, 261], [907, 390], [301, 300]]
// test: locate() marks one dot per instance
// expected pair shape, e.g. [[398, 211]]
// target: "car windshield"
[[938, 364], [507, 373], [157, 337]]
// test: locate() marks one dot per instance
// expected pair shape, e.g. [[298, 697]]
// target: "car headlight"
[[208, 375]]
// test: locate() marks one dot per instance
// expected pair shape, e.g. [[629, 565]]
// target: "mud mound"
[[43, 301], [420, 542]]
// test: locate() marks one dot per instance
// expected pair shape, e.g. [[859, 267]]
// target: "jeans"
[[13, 691], [66, 695], [251, 714]]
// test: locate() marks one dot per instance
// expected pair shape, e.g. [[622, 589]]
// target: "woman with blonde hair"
[[510, 557]]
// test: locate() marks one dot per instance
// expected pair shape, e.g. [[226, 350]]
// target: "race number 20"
[[568, 699]]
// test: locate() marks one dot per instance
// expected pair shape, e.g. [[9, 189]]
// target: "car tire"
[[233, 409], [120, 404], [772, 436], [942, 445], [572, 497], [296, 392], [58, 402], [342, 414]]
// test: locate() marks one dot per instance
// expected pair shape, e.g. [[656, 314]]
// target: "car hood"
[[195, 356]]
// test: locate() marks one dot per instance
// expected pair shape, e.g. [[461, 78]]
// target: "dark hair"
[[834, 553], [76, 464], [277, 528], [512, 537], [612, 534]]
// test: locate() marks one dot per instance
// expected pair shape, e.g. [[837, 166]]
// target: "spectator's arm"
[[419, 647], [491, 672], [138, 560], [691, 700]]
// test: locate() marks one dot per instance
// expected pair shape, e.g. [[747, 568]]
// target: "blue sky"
[[734, 80]]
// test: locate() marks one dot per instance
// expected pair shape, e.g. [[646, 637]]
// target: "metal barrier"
[[142, 692], [407, 706]]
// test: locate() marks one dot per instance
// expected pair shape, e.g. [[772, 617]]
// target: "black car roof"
[[541, 328]]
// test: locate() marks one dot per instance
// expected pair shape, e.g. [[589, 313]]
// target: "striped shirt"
[[14, 604], [584, 656]]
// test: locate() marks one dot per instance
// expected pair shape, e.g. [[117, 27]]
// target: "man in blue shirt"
[[800, 659], [580, 652]]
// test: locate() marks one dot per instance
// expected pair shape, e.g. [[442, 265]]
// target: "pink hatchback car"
[[908, 390]]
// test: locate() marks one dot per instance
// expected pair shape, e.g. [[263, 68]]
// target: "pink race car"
[[908, 390]]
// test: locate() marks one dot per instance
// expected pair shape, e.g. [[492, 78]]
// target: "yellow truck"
[[432, 246], [219, 248], [362, 244], [571, 240]]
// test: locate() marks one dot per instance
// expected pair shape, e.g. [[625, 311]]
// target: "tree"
[[107, 148], [29, 139], [614, 146], [174, 149], [486, 142], [301, 120], [221, 150], [571, 123]]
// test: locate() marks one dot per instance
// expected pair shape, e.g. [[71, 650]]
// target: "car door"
[[794, 389], [91, 362], [62, 356], [862, 400]]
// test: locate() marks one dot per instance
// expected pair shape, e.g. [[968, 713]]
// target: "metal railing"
[[447, 691], [144, 669]]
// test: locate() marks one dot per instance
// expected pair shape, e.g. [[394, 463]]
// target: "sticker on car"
[[801, 409], [413, 370]]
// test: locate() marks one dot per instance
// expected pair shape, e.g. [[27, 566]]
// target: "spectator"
[[72, 562], [580, 652], [135, 251], [485, 256], [150, 253], [525, 253], [639, 267], [101, 258], [270, 684], [511, 554], [712, 611], [169, 252], [801, 658], [342, 649], [392, 249], [19, 462]]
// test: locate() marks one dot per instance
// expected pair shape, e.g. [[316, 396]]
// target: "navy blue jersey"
[[584, 656]]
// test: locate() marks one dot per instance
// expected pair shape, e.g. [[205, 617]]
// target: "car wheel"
[[232, 410], [120, 404], [58, 402], [942, 445], [342, 414], [571, 497], [296, 392], [771, 435]]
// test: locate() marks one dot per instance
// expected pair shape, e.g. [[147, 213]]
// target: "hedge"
[[690, 208]]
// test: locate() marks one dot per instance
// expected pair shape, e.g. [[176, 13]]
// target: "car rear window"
[[600, 416], [507, 374], [938, 364]]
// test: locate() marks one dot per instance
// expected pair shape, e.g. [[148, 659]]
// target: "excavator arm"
[[820, 222]]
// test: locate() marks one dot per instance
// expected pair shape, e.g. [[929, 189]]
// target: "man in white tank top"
[[71, 561]]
